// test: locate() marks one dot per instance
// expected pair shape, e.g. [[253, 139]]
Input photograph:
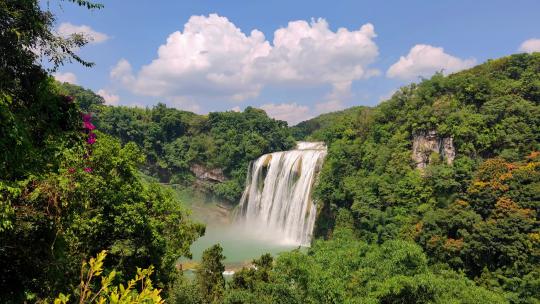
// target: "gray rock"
[[426, 143], [206, 174]]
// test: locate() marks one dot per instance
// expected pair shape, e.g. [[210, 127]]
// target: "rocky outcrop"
[[205, 174], [427, 143]]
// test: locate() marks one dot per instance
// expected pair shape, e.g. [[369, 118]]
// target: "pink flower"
[[87, 117], [88, 169], [71, 170], [88, 125]]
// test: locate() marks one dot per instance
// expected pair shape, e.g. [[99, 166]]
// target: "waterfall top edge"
[[306, 145]]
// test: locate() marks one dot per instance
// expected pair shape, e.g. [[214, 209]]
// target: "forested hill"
[[323, 126], [175, 142], [431, 197], [450, 163]]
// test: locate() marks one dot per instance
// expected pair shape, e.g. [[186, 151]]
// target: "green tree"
[[209, 275], [87, 100], [87, 205]]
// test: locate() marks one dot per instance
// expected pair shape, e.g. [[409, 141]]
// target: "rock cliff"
[[427, 143], [205, 174]]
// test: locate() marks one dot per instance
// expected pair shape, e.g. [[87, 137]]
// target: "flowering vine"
[[91, 136]]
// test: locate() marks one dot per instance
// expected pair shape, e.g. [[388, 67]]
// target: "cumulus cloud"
[[329, 106], [292, 113], [313, 54], [67, 29], [122, 72], [424, 60], [110, 98], [185, 104], [212, 58], [66, 77], [530, 46]]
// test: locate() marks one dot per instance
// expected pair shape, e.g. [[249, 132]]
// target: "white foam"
[[277, 204]]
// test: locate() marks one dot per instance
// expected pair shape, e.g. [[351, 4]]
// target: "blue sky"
[[214, 62]]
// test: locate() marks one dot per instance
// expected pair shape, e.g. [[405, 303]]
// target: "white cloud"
[[185, 104], [424, 60], [66, 77], [236, 109], [292, 113], [122, 72], [110, 98], [388, 95], [210, 58], [213, 59], [137, 105], [329, 106], [311, 53], [67, 29], [530, 46]]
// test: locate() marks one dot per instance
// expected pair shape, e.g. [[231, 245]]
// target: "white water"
[[277, 203]]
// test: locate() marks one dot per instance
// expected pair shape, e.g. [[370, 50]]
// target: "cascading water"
[[277, 199]]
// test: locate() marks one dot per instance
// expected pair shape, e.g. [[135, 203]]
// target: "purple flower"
[[88, 169], [91, 140]]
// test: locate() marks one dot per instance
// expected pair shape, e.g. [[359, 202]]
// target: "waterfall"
[[277, 199]]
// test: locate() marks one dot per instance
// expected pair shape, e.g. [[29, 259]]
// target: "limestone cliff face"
[[426, 143], [205, 174]]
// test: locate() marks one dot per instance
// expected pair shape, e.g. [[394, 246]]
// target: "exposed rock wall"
[[205, 174], [426, 143]]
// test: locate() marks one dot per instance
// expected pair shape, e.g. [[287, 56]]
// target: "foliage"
[[30, 129], [209, 274], [107, 293], [87, 100], [62, 216], [175, 140], [67, 192], [26, 36], [492, 233], [346, 270], [184, 291], [33, 116], [459, 212], [326, 126]]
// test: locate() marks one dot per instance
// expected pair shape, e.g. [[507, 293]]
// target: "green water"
[[240, 246], [240, 249]]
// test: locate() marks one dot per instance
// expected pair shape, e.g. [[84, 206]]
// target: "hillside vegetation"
[[67, 191], [479, 214], [173, 140], [78, 223], [457, 230]]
